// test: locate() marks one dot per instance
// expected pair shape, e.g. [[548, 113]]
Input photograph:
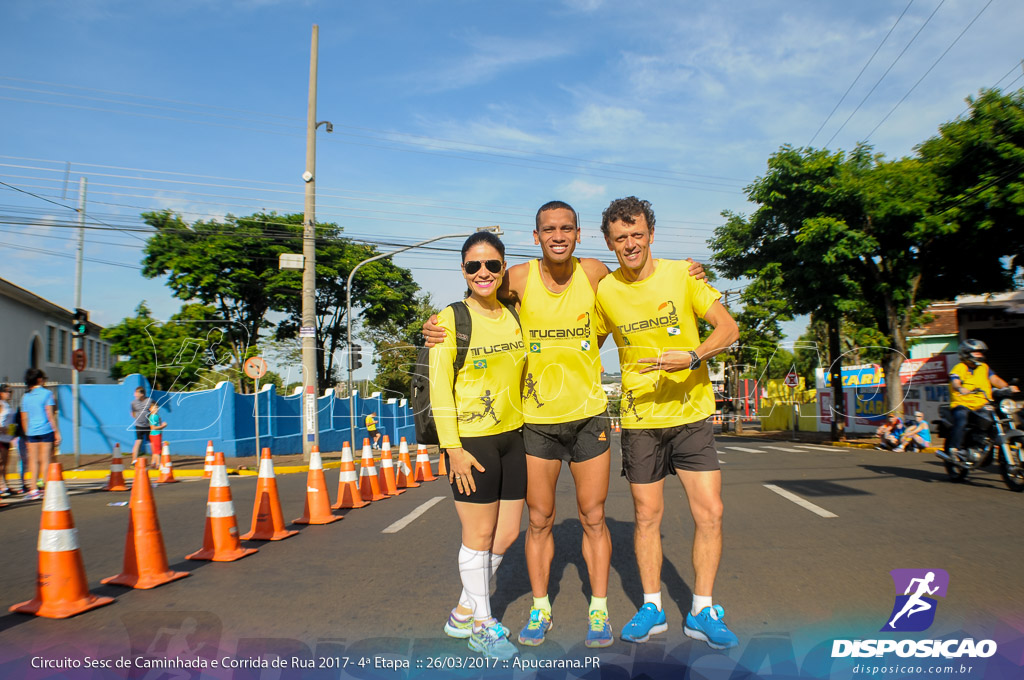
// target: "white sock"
[[473, 568], [653, 598], [464, 600], [699, 602]]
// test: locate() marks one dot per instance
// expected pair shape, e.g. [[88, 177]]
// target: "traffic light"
[[356, 356], [81, 323]]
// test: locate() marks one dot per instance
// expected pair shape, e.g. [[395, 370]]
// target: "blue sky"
[[449, 115]]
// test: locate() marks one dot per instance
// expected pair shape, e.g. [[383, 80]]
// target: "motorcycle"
[[987, 439]]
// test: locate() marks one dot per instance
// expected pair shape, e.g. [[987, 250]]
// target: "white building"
[[36, 333]]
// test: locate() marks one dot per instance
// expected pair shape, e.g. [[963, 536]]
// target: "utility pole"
[[307, 333], [77, 342]]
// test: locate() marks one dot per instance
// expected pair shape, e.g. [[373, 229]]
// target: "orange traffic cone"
[[442, 464], [145, 557], [386, 476], [318, 503], [348, 483], [423, 471], [62, 589], [116, 481], [166, 469], [208, 463], [156, 445], [404, 479], [369, 485], [220, 539], [267, 518]]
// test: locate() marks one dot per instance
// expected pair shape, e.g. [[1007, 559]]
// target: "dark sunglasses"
[[473, 266]]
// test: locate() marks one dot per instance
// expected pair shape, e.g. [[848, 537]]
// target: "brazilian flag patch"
[[480, 363], [535, 347], [673, 330]]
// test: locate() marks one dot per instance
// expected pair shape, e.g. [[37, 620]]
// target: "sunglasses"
[[473, 266]]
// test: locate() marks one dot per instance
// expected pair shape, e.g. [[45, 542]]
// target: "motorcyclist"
[[970, 388]]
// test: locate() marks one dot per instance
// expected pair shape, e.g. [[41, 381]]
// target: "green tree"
[[172, 355], [396, 347]]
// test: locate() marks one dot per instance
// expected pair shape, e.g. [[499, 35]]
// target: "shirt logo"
[[585, 345], [480, 363], [668, 320], [535, 347], [914, 609]]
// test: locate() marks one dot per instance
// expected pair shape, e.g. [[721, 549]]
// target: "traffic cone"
[[386, 476], [369, 485], [116, 481], [62, 589], [318, 503], [145, 557], [404, 479], [442, 464], [348, 483], [166, 469], [208, 463], [267, 518], [156, 445], [220, 539], [423, 471]]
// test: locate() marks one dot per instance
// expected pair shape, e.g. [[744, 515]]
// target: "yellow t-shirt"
[[485, 397], [978, 378], [371, 424], [646, 318], [563, 360]]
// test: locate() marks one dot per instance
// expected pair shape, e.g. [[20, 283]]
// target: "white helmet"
[[969, 347]]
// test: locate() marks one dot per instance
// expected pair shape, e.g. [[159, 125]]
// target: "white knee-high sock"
[[474, 568], [495, 560]]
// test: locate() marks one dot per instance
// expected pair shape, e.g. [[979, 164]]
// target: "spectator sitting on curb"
[[889, 433], [917, 436]]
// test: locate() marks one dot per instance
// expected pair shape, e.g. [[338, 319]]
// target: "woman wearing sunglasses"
[[477, 410]]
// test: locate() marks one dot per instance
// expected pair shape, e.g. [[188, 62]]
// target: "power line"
[[879, 81], [934, 64], [863, 68]]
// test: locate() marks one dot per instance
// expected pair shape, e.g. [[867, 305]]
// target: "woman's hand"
[[432, 333], [460, 470], [671, 360]]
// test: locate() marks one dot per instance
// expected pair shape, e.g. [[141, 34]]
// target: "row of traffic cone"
[[116, 480], [62, 589]]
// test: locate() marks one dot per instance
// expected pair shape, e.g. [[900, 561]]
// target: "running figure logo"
[[531, 390], [488, 402], [914, 610], [631, 405]]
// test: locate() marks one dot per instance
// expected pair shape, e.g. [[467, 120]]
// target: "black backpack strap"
[[463, 332]]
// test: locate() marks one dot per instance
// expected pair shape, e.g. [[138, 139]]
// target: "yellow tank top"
[[563, 360], [484, 398], [648, 317]]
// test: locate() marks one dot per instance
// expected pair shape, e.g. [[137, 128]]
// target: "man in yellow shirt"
[[651, 307], [371, 428], [970, 389]]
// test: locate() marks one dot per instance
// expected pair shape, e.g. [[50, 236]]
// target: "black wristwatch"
[[694, 361]]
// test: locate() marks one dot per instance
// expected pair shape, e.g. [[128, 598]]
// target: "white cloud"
[[581, 189]]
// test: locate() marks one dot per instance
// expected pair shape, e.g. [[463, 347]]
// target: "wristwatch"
[[694, 361]]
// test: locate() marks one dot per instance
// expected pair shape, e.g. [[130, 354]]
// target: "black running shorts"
[[504, 461], [574, 442], [649, 455]]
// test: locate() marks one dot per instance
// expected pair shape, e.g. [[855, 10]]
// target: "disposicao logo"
[[914, 610]]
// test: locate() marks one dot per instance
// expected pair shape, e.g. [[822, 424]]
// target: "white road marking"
[[408, 519], [802, 502], [808, 446], [783, 448], [740, 448]]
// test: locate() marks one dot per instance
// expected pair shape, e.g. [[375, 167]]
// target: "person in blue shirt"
[[917, 435], [39, 423]]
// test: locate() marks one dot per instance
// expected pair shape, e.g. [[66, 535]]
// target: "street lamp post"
[[348, 310]]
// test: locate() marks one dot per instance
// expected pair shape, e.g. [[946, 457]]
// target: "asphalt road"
[[791, 570]]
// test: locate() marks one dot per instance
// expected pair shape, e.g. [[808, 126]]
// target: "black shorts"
[[504, 461], [142, 433], [48, 438], [650, 455], [574, 442]]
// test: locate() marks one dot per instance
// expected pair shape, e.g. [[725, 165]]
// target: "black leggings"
[[504, 459]]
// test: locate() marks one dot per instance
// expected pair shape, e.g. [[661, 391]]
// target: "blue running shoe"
[[533, 632], [599, 633], [645, 623], [460, 628], [710, 627], [492, 642]]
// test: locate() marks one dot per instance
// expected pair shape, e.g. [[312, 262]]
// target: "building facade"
[[36, 333]]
